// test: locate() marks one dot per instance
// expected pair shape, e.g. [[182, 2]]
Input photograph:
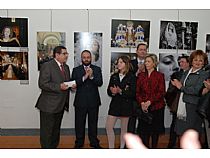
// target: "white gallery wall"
[[17, 101]]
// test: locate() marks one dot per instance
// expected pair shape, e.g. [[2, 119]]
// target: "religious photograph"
[[115, 56], [14, 66], [14, 32], [178, 35], [129, 33], [208, 46], [168, 64], [46, 42], [91, 41]]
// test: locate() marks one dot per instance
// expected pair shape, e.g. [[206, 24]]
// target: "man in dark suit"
[[54, 97], [88, 78], [138, 66]]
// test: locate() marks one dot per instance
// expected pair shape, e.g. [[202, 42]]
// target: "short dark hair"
[[141, 44], [57, 50], [184, 56], [86, 51]]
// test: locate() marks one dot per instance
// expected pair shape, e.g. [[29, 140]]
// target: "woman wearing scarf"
[[191, 85]]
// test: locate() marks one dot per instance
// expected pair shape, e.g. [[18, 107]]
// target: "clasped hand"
[[115, 89], [176, 83], [207, 83], [88, 73], [145, 105]]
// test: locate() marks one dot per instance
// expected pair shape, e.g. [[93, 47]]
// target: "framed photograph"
[[91, 41], [14, 32], [129, 33], [115, 56], [14, 66], [178, 35], [208, 46], [46, 42], [168, 64]]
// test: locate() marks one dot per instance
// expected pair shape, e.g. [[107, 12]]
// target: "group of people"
[[187, 90], [136, 85], [54, 98]]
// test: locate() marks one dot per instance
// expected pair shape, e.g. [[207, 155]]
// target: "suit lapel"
[[57, 68]]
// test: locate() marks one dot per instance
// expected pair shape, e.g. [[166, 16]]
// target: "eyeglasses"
[[65, 53]]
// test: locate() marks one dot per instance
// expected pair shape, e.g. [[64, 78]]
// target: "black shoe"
[[96, 146], [76, 146]]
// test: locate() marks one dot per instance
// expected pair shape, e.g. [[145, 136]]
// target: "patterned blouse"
[[151, 88]]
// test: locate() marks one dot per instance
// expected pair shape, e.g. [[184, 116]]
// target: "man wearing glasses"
[[54, 97]]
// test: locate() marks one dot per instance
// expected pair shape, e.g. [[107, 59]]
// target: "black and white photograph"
[[46, 42], [14, 66], [91, 41], [168, 64], [129, 33], [14, 32], [178, 35], [115, 56], [208, 46]]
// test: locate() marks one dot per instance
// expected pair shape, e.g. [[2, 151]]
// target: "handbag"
[[144, 116]]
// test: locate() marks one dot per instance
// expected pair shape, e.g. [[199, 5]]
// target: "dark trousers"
[[132, 124], [146, 137], [50, 124], [173, 135], [80, 120]]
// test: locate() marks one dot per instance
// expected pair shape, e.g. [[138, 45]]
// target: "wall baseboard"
[[64, 131]]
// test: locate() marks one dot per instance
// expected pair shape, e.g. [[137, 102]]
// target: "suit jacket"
[[87, 93], [193, 86], [52, 99], [122, 104], [134, 63]]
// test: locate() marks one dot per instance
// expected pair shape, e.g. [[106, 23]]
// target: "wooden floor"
[[66, 142]]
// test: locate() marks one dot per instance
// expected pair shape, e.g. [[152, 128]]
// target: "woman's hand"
[[176, 83]]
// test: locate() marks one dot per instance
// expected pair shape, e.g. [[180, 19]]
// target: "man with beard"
[[88, 78]]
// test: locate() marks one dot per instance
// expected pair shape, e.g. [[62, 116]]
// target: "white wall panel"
[[17, 101]]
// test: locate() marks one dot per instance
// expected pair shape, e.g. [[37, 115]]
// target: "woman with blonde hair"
[[150, 92], [121, 89]]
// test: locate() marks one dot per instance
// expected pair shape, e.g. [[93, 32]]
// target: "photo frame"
[[14, 66], [46, 42], [129, 33], [91, 41], [14, 32]]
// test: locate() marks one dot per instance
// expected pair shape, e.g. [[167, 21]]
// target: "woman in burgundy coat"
[[150, 91]]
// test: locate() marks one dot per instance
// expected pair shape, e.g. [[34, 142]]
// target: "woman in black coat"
[[122, 90]]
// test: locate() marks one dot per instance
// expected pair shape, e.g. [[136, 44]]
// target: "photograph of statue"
[[208, 46], [14, 66], [178, 35], [115, 56], [13, 32], [46, 42], [91, 41], [129, 33]]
